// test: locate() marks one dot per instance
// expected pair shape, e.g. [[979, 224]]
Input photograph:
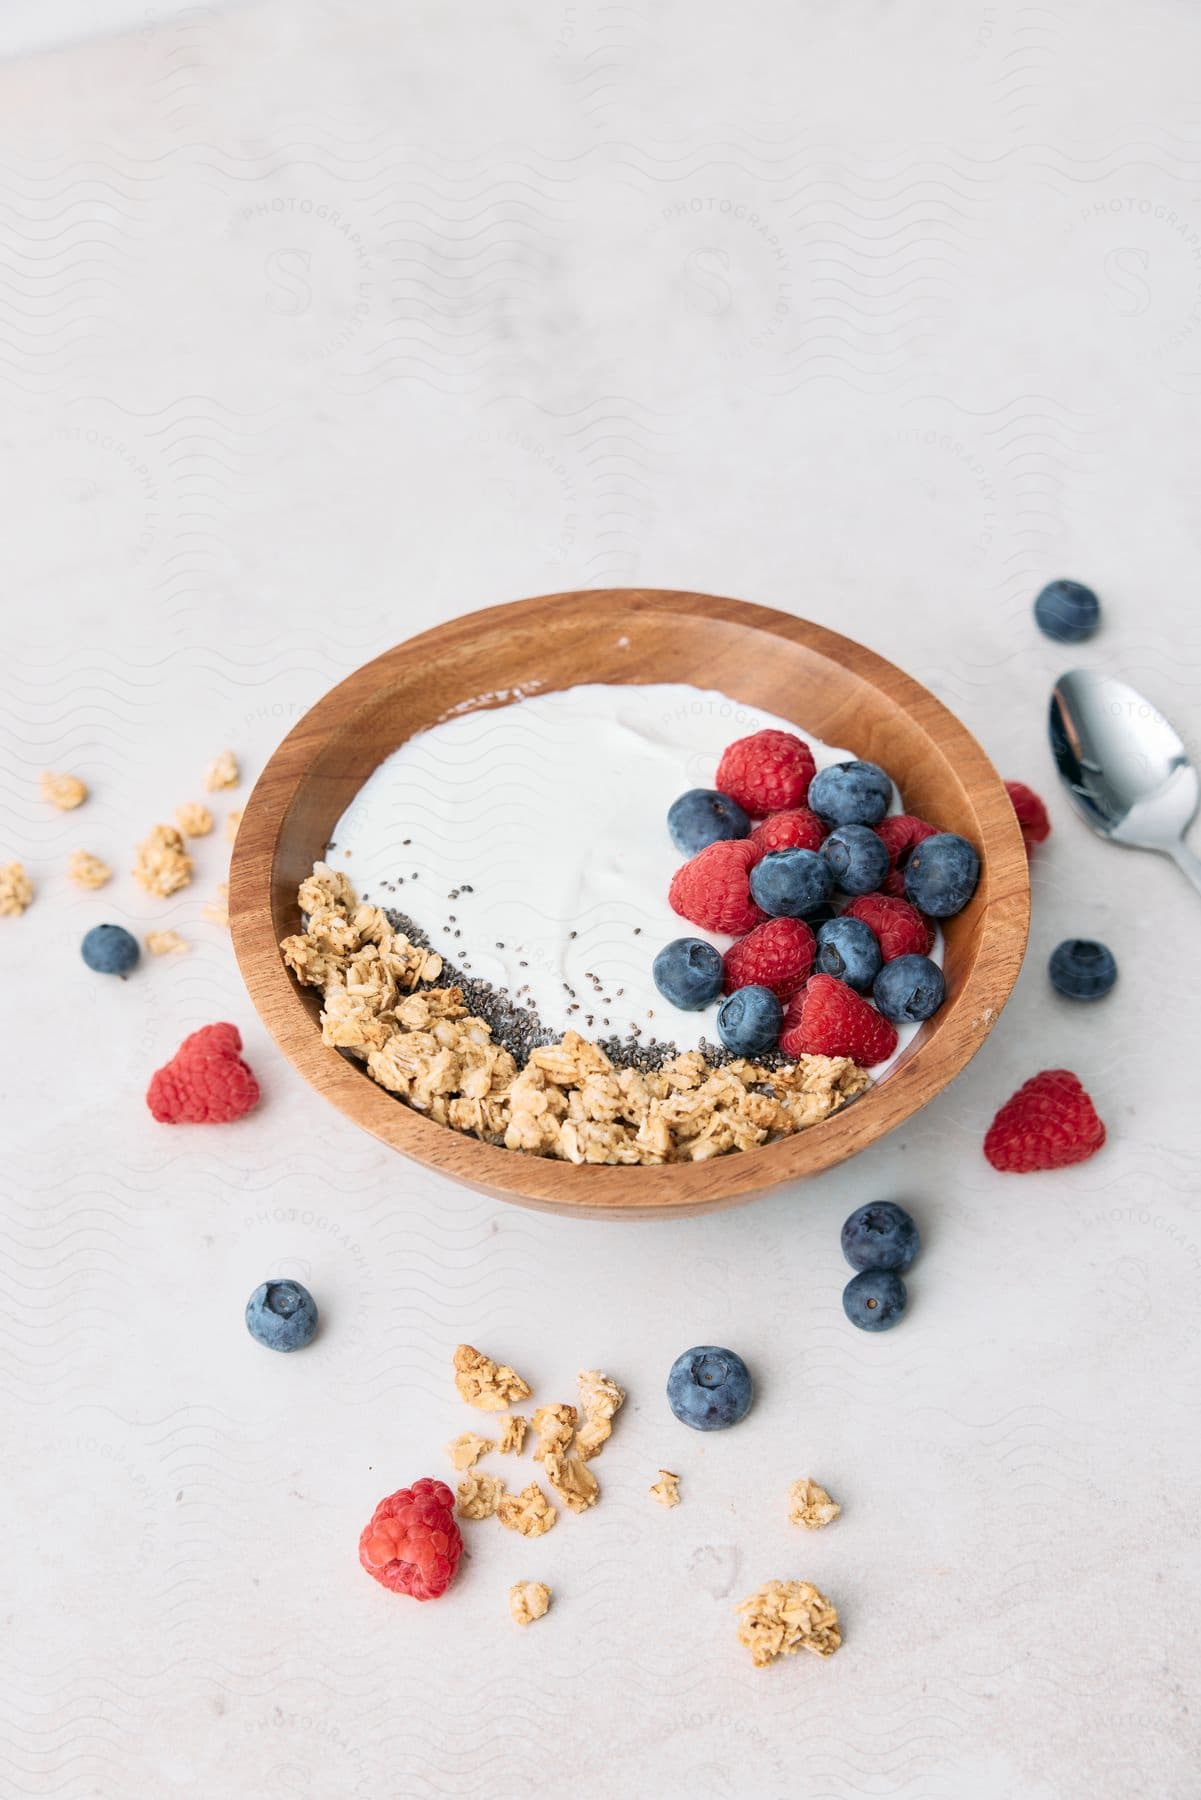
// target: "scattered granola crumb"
[[554, 1425], [667, 1489], [481, 1382], [162, 943], [194, 819], [222, 772], [528, 1600], [232, 821], [572, 1480], [467, 1448], [163, 865], [782, 1617], [512, 1435], [810, 1505], [600, 1399], [88, 871], [217, 911], [478, 1495], [65, 792], [530, 1512], [16, 890]]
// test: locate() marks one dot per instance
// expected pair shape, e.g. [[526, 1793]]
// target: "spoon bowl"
[[1124, 766]]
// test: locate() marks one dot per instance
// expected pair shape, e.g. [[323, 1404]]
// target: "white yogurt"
[[552, 813]]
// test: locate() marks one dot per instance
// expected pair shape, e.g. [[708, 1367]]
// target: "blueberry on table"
[[874, 1300], [709, 1388], [1082, 969], [850, 793], [110, 950], [749, 1021], [850, 951], [791, 884], [880, 1236], [858, 858], [282, 1315], [909, 989], [1067, 611], [703, 816], [689, 973], [941, 874]]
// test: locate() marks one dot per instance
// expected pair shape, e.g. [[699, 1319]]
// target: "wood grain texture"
[[831, 686]]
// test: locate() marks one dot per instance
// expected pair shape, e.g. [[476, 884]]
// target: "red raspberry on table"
[[899, 928], [413, 1544], [1032, 814], [713, 888], [206, 1082], [778, 955], [766, 772], [1049, 1123], [828, 1018], [796, 829], [902, 834]]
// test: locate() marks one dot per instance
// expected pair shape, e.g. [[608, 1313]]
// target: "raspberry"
[[796, 829], [899, 928], [713, 889], [412, 1544], [206, 1082], [1049, 1123], [902, 834], [828, 1018], [1032, 814], [778, 955], [766, 772]]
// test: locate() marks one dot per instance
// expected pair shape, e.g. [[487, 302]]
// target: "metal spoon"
[[1124, 766]]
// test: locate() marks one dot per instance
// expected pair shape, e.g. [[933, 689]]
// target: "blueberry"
[[282, 1315], [874, 1299], [791, 883], [858, 858], [709, 1388], [749, 1021], [941, 874], [880, 1236], [1067, 611], [703, 816], [851, 793], [110, 950], [689, 973], [849, 950], [909, 989], [1081, 969]]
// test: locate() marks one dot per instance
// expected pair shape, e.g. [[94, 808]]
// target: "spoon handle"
[[1186, 862]]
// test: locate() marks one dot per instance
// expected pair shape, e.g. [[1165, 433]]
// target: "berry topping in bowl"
[[749, 1020], [909, 989], [689, 973], [851, 793], [942, 875], [703, 816], [847, 950]]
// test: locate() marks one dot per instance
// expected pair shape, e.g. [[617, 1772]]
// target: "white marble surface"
[[320, 323]]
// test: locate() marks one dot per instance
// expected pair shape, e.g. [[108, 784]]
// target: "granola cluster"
[[162, 943], [222, 772], [810, 1505], [569, 1101], [163, 865], [528, 1600], [88, 871], [16, 890], [194, 819], [667, 1489], [65, 792], [481, 1382], [782, 1617]]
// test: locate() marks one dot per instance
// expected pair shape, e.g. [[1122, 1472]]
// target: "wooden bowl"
[[831, 686]]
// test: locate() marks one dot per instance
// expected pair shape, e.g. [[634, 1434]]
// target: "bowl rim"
[[602, 1191]]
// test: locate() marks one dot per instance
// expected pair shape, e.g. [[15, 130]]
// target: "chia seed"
[[520, 1029]]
